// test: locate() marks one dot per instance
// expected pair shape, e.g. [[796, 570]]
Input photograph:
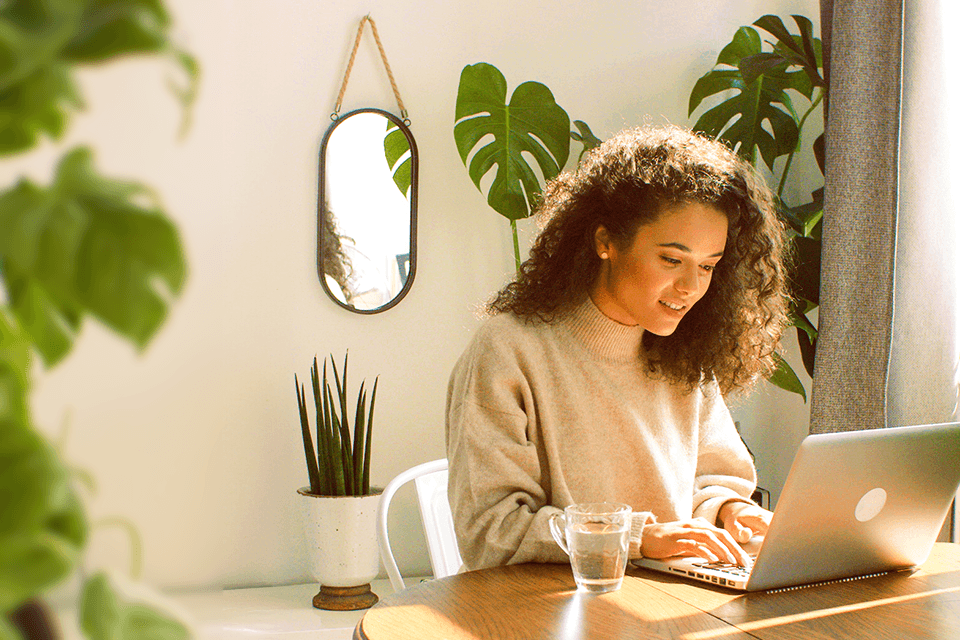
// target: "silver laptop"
[[855, 504]]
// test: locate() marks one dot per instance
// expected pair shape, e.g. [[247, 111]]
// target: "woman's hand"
[[744, 520], [695, 537]]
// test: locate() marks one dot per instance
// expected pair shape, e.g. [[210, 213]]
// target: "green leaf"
[[87, 245], [759, 116], [359, 425], [110, 28], [366, 448], [532, 123], [584, 136], [42, 525], [803, 50], [806, 274], [808, 349], [397, 150], [785, 378], [14, 370], [104, 615], [313, 470]]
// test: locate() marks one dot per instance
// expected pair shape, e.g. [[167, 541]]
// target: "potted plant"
[[339, 504]]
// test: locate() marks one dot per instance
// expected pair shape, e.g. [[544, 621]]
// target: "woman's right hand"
[[695, 537]]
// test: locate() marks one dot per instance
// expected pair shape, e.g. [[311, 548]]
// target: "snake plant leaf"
[[396, 147], [501, 135], [739, 119], [104, 615], [331, 461], [313, 470], [366, 447], [584, 136], [786, 378], [359, 426], [87, 245]]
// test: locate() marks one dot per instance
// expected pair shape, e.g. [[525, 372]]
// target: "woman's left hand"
[[743, 520]]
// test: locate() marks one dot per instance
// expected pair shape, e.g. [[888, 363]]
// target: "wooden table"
[[540, 601]]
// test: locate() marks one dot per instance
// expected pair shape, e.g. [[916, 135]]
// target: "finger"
[[719, 543], [759, 523], [743, 534], [694, 548], [734, 551], [740, 533]]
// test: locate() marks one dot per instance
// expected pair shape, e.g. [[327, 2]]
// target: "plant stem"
[[803, 120], [516, 245]]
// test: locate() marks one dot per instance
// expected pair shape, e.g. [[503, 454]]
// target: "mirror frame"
[[321, 198]]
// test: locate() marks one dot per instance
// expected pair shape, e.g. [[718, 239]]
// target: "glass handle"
[[557, 530]]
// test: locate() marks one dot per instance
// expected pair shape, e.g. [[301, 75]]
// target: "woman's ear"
[[602, 242]]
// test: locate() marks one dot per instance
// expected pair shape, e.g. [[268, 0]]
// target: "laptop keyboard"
[[725, 567]]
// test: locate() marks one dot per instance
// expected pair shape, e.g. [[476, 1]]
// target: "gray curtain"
[[888, 351], [860, 214]]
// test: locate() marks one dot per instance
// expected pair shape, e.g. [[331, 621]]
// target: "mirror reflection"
[[366, 236]]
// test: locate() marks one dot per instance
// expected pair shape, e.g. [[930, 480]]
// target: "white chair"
[[431, 483]]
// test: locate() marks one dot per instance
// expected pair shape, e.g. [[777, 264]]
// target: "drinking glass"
[[596, 537]]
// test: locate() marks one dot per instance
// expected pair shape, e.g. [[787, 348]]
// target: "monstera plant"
[[497, 133], [83, 246], [764, 92]]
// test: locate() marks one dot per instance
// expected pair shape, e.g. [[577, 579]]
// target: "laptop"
[[855, 504]]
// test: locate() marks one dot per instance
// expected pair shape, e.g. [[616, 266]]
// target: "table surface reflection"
[[540, 601]]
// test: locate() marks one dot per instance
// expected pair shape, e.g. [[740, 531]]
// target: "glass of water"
[[596, 537]]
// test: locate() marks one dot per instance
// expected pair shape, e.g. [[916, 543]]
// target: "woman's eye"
[[709, 267], [670, 260]]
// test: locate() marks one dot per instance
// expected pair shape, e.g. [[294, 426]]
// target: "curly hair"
[[731, 334]]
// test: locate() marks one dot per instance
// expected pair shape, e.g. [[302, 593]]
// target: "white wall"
[[197, 440]]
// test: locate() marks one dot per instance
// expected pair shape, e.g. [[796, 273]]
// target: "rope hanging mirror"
[[367, 201]]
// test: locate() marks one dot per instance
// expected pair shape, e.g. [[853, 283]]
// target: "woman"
[[656, 287]]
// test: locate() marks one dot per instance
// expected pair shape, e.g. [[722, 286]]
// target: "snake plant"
[[339, 465]]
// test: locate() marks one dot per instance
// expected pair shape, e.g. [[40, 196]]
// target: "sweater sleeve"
[[498, 487], [500, 508], [725, 470]]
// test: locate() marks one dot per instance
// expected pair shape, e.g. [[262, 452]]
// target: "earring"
[[604, 255]]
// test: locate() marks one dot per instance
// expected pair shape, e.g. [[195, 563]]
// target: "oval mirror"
[[367, 211]]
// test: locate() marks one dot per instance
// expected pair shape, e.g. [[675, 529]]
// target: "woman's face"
[[664, 271]]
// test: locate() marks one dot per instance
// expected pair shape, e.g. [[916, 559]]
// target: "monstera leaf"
[[500, 134], [803, 50], [87, 244], [760, 81], [397, 151]]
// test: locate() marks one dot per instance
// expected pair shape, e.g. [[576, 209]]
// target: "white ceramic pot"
[[341, 534]]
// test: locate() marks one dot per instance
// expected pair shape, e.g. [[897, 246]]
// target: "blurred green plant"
[[340, 463], [86, 245], [754, 91]]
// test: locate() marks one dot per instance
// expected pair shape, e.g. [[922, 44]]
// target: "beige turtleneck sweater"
[[540, 416]]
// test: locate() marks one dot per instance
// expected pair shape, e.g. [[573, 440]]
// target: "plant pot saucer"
[[345, 598]]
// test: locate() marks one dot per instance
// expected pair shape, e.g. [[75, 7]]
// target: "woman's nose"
[[688, 281]]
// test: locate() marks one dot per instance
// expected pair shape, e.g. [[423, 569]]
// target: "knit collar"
[[602, 336]]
